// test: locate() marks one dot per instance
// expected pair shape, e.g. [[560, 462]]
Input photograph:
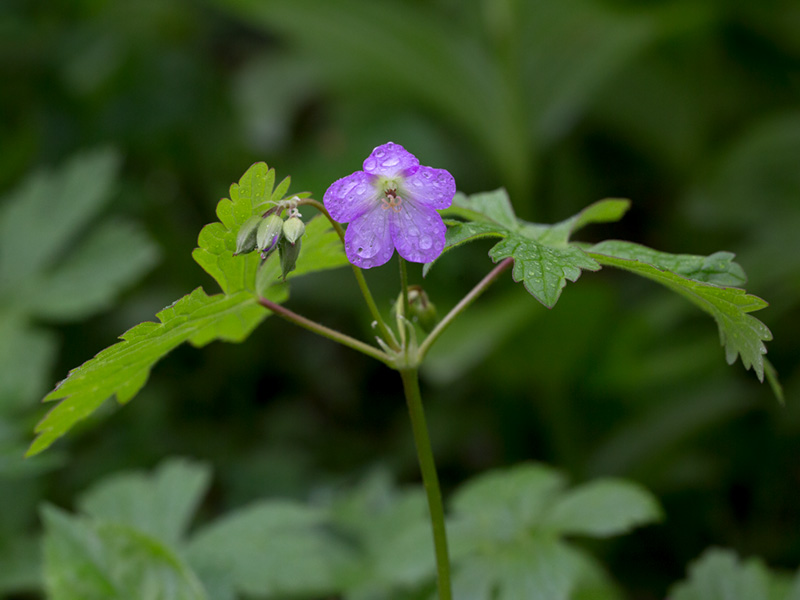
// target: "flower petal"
[[391, 160], [417, 232], [431, 187], [368, 239], [351, 196]]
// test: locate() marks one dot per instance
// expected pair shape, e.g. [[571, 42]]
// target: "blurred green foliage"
[[691, 109]]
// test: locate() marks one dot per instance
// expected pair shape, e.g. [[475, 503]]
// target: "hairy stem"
[[325, 332], [430, 479], [481, 287], [385, 332]]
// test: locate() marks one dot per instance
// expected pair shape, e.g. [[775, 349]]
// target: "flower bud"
[[246, 238], [288, 253], [293, 228], [420, 308], [269, 230]]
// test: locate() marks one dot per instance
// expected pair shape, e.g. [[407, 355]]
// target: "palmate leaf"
[[508, 527], [198, 318], [545, 259]]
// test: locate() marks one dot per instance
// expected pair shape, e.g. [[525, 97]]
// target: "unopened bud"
[[421, 309], [246, 238], [288, 253], [293, 228], [268, 232]]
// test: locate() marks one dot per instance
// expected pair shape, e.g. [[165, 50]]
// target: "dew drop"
[[392, 161], [425, 242]]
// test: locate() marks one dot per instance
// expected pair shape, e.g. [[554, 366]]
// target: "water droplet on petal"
[[425, 242]]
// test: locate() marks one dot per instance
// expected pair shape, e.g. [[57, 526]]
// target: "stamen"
[[391, 200]]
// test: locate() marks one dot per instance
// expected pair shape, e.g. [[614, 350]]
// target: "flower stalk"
[[430, 479]]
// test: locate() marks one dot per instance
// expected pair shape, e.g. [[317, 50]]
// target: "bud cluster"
[[269, 232]]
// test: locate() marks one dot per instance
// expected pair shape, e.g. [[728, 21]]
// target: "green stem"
[[386, 333], [430, 479], [404, 285], [461, 306], [325, 332]]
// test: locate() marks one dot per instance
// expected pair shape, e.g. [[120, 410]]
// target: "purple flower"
[[391, 204]]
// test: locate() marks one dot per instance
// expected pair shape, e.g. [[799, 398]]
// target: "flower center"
[[391, 201]]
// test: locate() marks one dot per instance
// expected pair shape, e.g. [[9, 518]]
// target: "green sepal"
[[289, 254], [270, 226], [248, 235]]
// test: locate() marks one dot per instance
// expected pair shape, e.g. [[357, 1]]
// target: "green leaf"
[[740, 333], [273, 548], [506, 527], [197, 318], [160, 505], [493, 207], [543, 260], [545, 569], [46, 213], [55, 264], [111, 256], [500, 502], [252, 196], [391, 534], [85, 560], [719, 575], [603, 508], [717, 268], [543, 269], [123, 369]]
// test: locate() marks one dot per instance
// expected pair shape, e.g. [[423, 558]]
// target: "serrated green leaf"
[[251, 196], [198, 318], [160, 504], [740, 333], [543, 260], [717, 268], [123, 369], [543, 270], [85, 560], [217, 241], [602, 508], [273, 548], [719, 575]]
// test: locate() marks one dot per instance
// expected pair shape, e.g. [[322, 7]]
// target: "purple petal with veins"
[[391, 160], [432, 187], [417, 232], [351, 196], [368, 239], [390, 205]]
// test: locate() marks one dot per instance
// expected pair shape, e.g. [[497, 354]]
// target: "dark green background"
[[689, 108]]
